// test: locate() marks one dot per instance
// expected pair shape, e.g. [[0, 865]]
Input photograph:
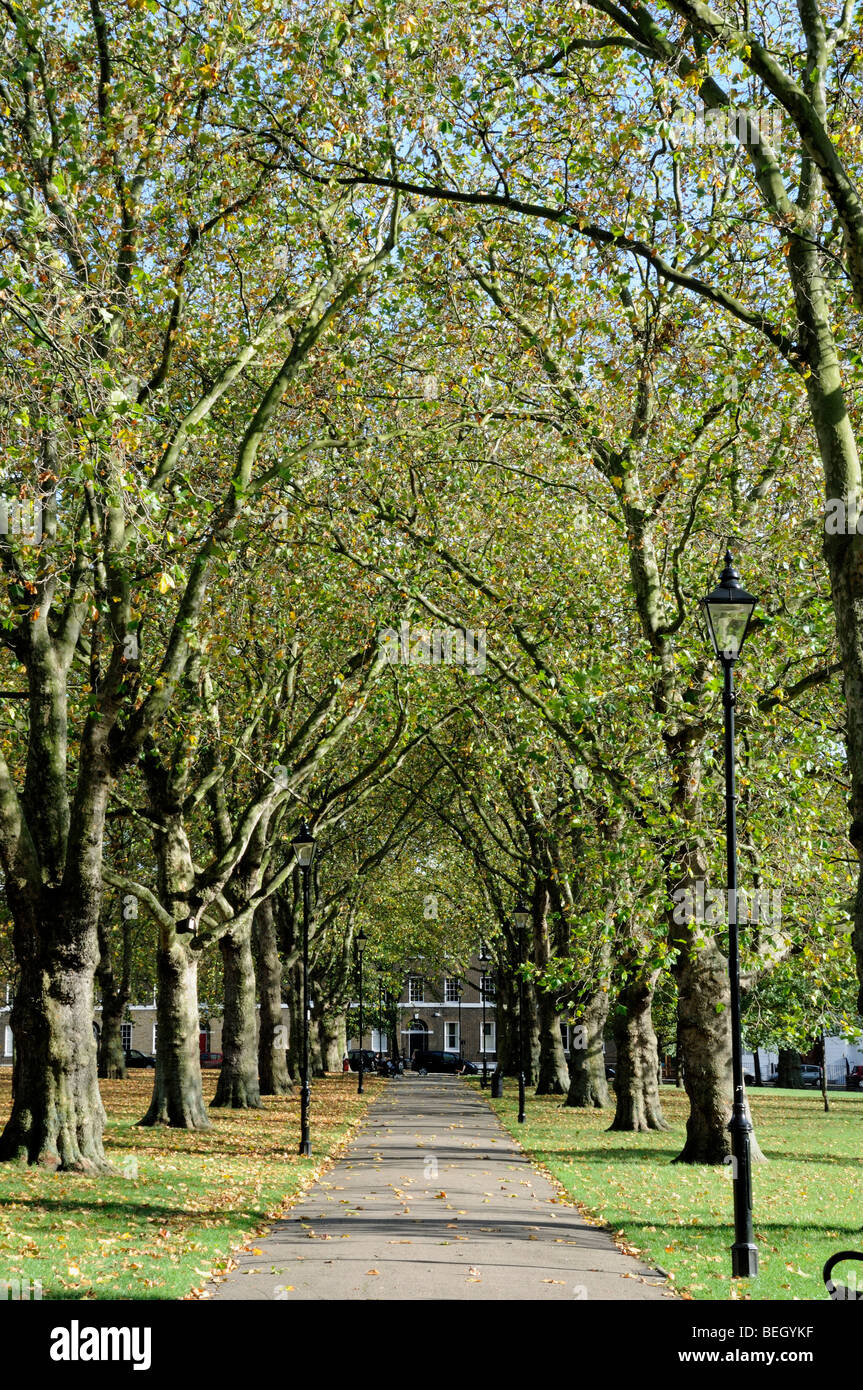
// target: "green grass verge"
[[808, 1200], [180, 1201]]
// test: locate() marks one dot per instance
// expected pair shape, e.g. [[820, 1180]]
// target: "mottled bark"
[[552, 1071], [238, 1078], [272, 1030], [57, 1114], [331, 1034], [636, 1087], [588, 1088], [177, 1098]]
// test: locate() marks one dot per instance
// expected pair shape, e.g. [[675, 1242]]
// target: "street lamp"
[[483, 962], [361, 946], [304, 850], [729, 609], [521, 917], [381, 1012]]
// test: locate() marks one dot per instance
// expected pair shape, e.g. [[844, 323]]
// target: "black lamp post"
[[521, 917], [729, 609], [361, 946], [304, 849], [381, 1011], [483, 962]]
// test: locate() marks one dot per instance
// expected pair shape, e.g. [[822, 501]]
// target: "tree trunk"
[[57, 1115], [588, 1088], [638, 1108], [115, 997], [272, 1032], [506, 1015], [112, 1055], [332, 1031], [238, 1079], [789, 1073], [178, 1098], [553, 1072], [704, 1016]]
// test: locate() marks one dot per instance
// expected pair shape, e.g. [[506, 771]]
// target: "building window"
[[451, 1037], [488, 1042], [7, 1042], [126, 1036], [564, 1036], [488, 990], [415, 989], [450, 990], [154, 1037]]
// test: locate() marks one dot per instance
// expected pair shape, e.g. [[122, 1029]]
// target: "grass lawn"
[[808, 1200], [180, 1202]]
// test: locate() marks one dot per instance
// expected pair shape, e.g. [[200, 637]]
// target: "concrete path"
[[433, 1199]]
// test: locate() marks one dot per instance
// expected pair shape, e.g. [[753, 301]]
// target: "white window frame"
[[126, 1036], [491, 1031], [155, 1027], [450, 989], [416, 989], [8, 1043], [451, 1024], [487, 988]]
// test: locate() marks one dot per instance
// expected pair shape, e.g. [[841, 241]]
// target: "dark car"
[[425, 1062], [370, 1060], [854, 1080], [134, 1058], [211, 1059]]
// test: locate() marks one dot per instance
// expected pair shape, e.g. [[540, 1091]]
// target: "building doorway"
[[418, 1037]]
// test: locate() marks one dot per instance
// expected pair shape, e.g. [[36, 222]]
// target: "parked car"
[[134, 1058], [810, 1075], [370, 1059], [854, 1080], [211, 1059], [425, 1062]]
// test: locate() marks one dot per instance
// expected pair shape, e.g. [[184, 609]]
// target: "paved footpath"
[[433, 1199]]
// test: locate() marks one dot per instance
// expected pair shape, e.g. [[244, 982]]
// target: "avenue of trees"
[[326, 329]]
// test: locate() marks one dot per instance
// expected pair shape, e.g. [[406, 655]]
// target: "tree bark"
[[112, 1054], [272, 1032], [588, 1088], [553, 1072], [115, 998], [178, 1098], [57, 1114], [638, 1108], [238, 1079], [789, 1073], [332, 1032]]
